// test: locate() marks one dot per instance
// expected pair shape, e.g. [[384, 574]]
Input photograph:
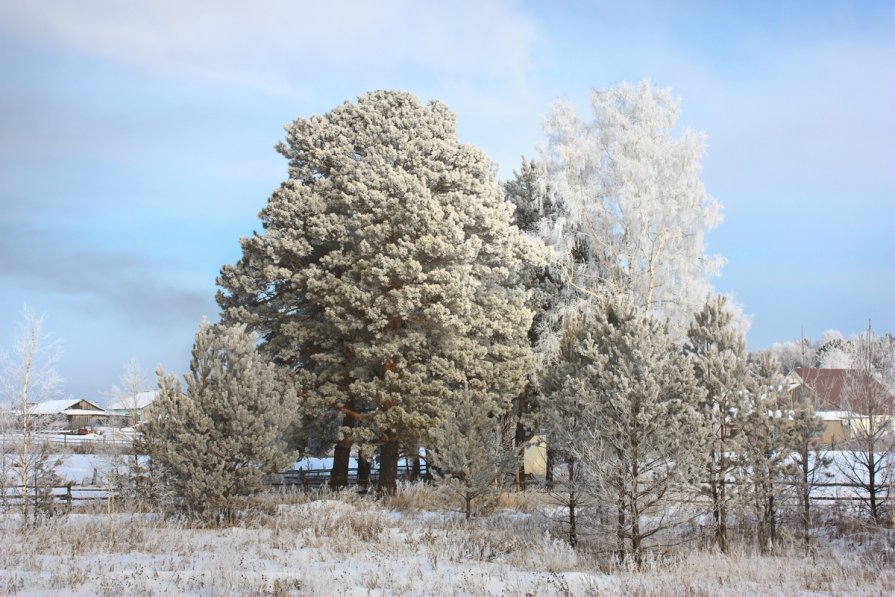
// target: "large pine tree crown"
[[385, 274]]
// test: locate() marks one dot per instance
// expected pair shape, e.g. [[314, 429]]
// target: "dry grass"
[[346, 544]]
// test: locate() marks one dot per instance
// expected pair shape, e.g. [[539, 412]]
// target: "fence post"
[[68, 496]]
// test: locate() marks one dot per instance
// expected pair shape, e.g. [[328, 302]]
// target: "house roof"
[[846, 389], [833, 415], [69, 406], [135, 401]]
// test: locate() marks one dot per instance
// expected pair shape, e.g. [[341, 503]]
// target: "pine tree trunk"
[[338, 478], [521, 437], [548, 469], [621, 526], [416, 470], [806, 501], [341, 460], [573, 497], [363, 471], [636, 540], [388, 465], [872, 487], [722, 518], [772, 522]]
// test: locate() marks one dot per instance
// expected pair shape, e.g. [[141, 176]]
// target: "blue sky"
[[136, 141]]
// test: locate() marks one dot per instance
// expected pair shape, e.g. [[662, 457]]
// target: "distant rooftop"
[[846, 389], [134, 401], [68, 406]]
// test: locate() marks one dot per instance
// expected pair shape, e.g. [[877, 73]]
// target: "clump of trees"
[[639, 434], [401, 299]]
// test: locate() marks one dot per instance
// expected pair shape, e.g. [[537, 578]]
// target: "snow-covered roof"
[[833, 415], [64, 407], [135, 401]]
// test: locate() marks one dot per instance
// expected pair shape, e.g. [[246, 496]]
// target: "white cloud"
[[270, 43]]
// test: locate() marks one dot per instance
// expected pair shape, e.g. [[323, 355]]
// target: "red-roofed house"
[[843, 398]]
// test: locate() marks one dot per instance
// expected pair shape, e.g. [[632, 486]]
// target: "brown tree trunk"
[[521, 437], [573, 502], [620, 528], [338, 477], [548, 468], [722, 519], [416, 470], [363, 471], [388, 465]]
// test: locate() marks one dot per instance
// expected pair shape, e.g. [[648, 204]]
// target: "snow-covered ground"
[[414, 544], [84, 469], [347, 545]]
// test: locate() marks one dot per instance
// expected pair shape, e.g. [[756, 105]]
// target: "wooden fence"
[[313, 478], [70, 494], [66, 494]]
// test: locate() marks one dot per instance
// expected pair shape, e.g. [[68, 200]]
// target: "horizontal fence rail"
[[70, 440], [66, 494], [319, 477]]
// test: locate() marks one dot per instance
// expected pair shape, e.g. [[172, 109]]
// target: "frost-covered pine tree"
[[473, 453], [719, 360], [641, 430], [568, 398], [386, 276], [213, 442], [634, 210], [766, 448]]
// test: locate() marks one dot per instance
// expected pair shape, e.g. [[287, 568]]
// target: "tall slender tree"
[[718, 356], [386, 276], [28, 376], [534, 212], [766, 447]]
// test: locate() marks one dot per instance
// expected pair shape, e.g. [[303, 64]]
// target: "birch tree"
[[634, 210], [386, 277], [28, 376], [214, 441]]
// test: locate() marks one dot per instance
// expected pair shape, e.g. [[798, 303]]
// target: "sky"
[[136, 142]]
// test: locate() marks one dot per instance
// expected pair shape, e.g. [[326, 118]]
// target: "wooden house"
[[76, 413]]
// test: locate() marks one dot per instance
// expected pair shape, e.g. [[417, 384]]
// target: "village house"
[[842, 399], [76, 413], [133, 409]]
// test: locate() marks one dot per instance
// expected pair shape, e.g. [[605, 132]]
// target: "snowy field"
[[347, 545], [412, 544]]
